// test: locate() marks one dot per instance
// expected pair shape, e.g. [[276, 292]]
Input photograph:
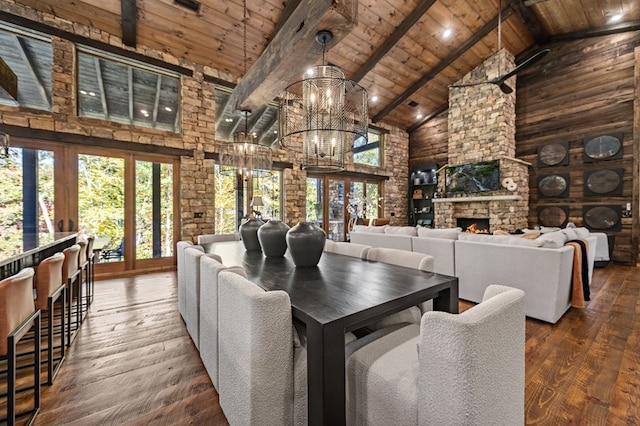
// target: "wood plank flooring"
[[133, 362]]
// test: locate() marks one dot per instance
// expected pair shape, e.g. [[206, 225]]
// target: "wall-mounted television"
[[474, 177]]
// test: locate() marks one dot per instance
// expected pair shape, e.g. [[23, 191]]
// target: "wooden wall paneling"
[[429, 143], [635, 211], [586, 88]]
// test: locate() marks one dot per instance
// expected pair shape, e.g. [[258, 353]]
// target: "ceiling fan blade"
[[526, 64], [506, 89]]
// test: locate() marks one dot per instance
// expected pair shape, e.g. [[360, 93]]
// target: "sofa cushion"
[[582, 232], [371, 229], [401, 230], [552, 239], [447, 234], [499, 239]]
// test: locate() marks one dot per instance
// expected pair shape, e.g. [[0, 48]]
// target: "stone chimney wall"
[[481, 126]]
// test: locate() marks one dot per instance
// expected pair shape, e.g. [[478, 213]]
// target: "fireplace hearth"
[[474, 225]]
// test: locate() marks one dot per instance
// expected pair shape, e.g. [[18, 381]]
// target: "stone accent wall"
[[198, 131], [481, 127]]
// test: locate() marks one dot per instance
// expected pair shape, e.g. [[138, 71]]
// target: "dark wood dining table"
[[341, 294]]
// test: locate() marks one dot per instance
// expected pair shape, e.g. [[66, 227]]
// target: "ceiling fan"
[[501, 79]]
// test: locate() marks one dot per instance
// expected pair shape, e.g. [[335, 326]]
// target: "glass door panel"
[[226, 202], [315, 197], [336, 210], [266, 200], [154, 210], [101, 201], [372, 197]]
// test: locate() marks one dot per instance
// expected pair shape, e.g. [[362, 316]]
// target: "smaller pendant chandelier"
[[245, 153], [328, 110]]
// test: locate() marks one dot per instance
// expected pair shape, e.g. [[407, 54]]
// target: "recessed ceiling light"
[[92, 94], [447, 33], [419, 116], [144, 111], [84, 92], [275, 132], [374, 98], [228, 120], [168, 109], [615, 18]]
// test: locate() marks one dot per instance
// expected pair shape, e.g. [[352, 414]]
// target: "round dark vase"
[[306, 242], [273, 238], [249, 234]]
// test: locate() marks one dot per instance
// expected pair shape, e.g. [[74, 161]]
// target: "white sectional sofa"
[[540, 267]]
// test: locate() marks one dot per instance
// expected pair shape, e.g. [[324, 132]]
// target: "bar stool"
[[83, 267], [91, 263], [49, 288], [17, 315], [70, 275]]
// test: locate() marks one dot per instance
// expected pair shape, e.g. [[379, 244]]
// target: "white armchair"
[[347, 249], [407, 259], [209, 323], [262, 362], [465, 369], [192, 290]]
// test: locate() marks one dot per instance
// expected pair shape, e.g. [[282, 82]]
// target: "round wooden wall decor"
[[601, 217], [603, 181], [552, 154], [552, 185], [552, 216], [602, 147]]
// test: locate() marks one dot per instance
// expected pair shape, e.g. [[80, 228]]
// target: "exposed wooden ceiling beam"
[[621, 27], [129, 16], [8, 80], [289, 7], [35, 78], [531, 21], [156, 103], [267, 127], [293, 49], [486, 29], [442, 108], [393, 39]]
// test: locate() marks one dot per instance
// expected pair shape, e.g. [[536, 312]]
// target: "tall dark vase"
[[306, 242], [273, 238], [249, 234]]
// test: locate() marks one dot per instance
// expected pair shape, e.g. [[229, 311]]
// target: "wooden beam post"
[[8, 80], [293, 49], [129, 16]]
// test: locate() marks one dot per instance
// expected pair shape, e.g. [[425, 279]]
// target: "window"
[[368, 151], [225, 181], [30, 57], [127, 92]]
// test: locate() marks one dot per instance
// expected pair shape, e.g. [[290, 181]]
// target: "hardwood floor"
[[133, 362]]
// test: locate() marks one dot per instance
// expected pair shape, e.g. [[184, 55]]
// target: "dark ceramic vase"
[[306, 242], [273, 238], [249, 234]]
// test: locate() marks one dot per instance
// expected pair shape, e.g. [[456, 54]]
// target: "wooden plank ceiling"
[[396, 50]]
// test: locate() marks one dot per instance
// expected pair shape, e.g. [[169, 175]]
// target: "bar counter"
[[35, 248]]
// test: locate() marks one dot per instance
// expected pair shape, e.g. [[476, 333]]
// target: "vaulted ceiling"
[[396, 49]]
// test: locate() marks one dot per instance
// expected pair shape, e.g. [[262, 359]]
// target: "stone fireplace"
[[481, 126]]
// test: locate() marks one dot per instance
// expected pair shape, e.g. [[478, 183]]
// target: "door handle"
[[60, 225], [70, 225]]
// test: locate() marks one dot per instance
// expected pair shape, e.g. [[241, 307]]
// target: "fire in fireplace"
[[473, 225]]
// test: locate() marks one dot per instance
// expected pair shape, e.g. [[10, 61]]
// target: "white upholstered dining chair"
[[192, 257], [465, 369], [209, 270], [217, 238], [262, 375], [347, 249]]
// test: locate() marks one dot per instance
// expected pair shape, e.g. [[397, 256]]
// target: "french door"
[[127, 200]]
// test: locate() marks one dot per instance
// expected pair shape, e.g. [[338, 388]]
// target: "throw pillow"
[[552, 239]]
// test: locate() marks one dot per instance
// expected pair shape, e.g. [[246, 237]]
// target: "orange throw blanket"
[[577, 291]]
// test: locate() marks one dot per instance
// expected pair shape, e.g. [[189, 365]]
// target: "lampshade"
[[328, 111], [257, 201]]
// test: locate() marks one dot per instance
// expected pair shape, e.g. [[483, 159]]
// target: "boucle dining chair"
[[406, 259], [465, 369], [180, 247], [90, 273], [347, 249], [71, 277], [209, 270], [50, 288], [192, 290], [217, 238], [263, 361], [17, 316]]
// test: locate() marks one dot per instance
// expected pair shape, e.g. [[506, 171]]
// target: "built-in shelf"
[[478, 199]]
